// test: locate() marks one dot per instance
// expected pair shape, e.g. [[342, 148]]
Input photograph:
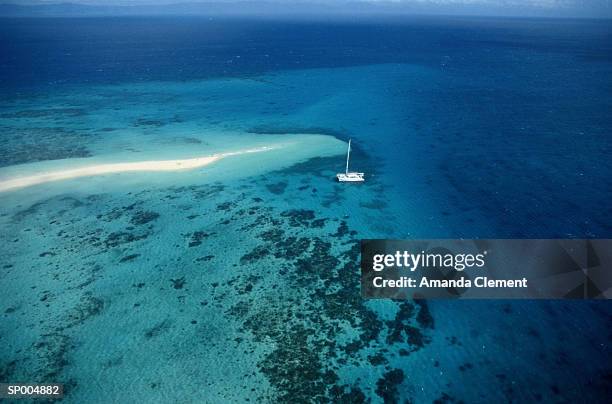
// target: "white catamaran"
[[347, 176]]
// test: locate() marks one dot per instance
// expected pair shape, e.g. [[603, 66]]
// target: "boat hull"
[[350, 177]]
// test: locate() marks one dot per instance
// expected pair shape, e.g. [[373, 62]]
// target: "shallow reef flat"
[[241, 290]]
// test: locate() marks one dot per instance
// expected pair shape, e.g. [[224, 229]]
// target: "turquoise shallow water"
[[239, 280]]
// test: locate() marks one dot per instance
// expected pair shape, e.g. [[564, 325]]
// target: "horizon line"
[[299, 9]]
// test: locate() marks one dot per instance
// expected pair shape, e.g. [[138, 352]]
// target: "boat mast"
[[348, 153]]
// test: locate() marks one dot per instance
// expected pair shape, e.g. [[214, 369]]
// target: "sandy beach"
[[114, 168]]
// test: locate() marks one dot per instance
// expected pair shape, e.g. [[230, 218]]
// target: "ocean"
[[240, 280]]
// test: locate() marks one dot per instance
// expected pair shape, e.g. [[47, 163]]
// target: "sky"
[[566, 8]]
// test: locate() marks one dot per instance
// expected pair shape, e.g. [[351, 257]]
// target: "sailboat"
[[349, 176]]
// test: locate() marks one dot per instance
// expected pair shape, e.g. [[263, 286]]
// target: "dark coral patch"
[[377, 359], [297, 373], [87, 307], [354, 395], [299, 217], [225, 206], [291, 248], [256, 254], [197, 237], [387, 386], [157, 329], [401, 329], [445, 398], [277, 188], [342, 231], [178, 283], [130, 257], [144, 217], [31, 144], [424, 318], [116, 239], [466, 366]]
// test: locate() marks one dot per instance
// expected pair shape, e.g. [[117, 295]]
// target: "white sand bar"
[[113, 168]]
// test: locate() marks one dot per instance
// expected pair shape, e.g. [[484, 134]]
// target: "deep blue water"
[[43, 51]]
